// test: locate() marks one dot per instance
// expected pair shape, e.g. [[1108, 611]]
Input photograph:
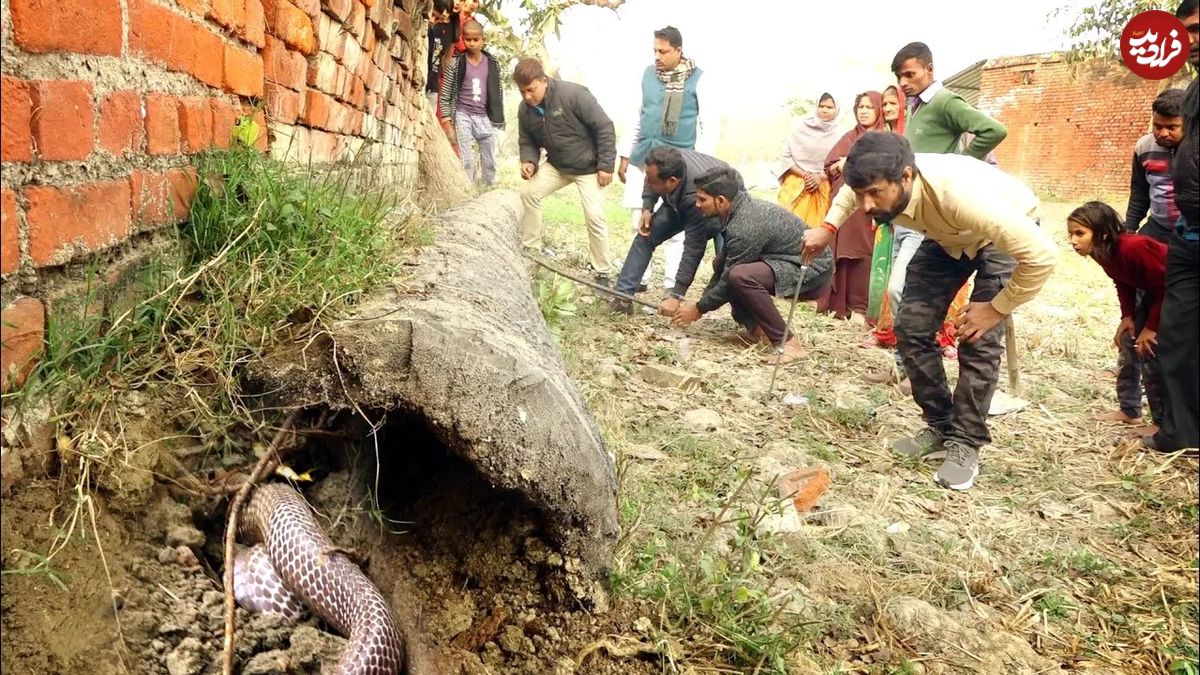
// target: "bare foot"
[[791, 351], [1117, 416], [858, 319]]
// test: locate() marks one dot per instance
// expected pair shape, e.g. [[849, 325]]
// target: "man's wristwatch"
[[675, 295]]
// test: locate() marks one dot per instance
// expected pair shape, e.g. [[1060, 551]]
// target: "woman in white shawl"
[[803, 185]]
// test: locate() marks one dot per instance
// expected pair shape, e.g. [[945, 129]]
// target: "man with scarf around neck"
[[764, 243], [670, 177], [1179, 329], [672, 112], [976, 220]]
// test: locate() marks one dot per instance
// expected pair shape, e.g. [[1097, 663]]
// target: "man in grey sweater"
[[762, 258]]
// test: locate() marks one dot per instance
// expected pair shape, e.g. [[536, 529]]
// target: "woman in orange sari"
[[803, 187]]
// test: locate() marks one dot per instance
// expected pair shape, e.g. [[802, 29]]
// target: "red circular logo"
[[1154, 45]]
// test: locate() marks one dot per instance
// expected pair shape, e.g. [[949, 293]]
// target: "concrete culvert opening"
[[464, 465]]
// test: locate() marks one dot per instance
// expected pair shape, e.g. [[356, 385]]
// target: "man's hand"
[[669, 307], [976, 321], [448, 127], [1126, 326], [603, 178], [836, 167], [527, 170], [644, 226], [815, 241], [1146, 343], [686, 315], [623, 168]]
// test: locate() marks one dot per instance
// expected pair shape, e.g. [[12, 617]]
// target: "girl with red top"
[[1138, 266]]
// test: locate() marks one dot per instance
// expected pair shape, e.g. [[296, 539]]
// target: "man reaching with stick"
[[761, 259], [976, 219]]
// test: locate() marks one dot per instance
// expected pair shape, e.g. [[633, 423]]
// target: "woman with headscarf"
[[848, 294], [803, 186]]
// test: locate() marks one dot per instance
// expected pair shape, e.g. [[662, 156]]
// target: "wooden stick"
[[265, 464], [600, 287], [1010, 347]]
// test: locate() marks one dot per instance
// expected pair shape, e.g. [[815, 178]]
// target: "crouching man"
[[761, 258], [976, 219]]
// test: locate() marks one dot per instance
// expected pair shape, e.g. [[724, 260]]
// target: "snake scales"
[[292, 563]]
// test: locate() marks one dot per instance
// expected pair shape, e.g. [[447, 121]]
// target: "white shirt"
[[931, 91]]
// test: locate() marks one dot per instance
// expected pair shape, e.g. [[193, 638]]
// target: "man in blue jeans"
[[670, 175]]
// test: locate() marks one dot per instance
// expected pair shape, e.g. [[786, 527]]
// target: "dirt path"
[[1075, 549]]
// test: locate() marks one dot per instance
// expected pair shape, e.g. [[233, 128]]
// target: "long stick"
[[1010, 347], [266, 463], [787, 327], [600, 287]]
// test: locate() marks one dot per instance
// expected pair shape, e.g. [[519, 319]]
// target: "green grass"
[[270, 253]]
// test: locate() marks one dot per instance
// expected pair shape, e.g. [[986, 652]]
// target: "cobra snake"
[[291, 563]]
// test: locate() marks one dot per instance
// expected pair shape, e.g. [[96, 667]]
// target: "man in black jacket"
[[1179, 329], [670, 175], [566, 121]]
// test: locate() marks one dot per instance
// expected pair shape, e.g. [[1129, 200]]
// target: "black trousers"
[[1179, 348]]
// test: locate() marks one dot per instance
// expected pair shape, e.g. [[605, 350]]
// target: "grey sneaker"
[[960, 467], [925, 445]]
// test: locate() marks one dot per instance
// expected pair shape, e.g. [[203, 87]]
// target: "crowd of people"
[[905, 224]]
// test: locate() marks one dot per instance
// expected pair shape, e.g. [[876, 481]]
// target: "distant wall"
[[1071, 132]]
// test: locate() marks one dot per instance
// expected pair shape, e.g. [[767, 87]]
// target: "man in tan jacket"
[[976, 219]]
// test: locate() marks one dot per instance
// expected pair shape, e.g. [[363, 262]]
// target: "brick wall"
[[1071, 131], [105, 100]]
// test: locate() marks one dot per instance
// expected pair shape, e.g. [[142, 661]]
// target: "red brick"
[[404, 25], [184, 184], [290, 24], [358, 92], [255, 27], [337, 8], [162, 125], [322, 73], [316, 109], [195, 124], [282, 65], [243, 71], [63, 119], [10, 243], [150, 195], [80, 26], [209, 61], [121, 123], [224, 117], [804, 486], [16, 109], [162, 35], [357, 23], [229, 13], [310, 7], [197, 6], [24, 328], [59, 220], [283, 104]]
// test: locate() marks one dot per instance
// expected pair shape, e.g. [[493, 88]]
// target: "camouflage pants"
[[1133, 371], [933, 279]]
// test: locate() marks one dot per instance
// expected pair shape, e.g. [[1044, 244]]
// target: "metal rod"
[[787, 327], [591, 284]]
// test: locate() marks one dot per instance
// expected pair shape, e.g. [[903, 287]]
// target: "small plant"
[[1055, 605], [556, 299], [42, 567]]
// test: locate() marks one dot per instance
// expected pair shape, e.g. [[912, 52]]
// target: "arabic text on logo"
[[1154, 45]]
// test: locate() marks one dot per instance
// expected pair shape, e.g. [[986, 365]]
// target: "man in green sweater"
[[937, 119]]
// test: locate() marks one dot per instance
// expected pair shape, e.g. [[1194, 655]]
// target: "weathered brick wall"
[[105, 100], [1071, 132]]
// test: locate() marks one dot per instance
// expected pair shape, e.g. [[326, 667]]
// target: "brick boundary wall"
[[105, 100], [1071, 129]]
